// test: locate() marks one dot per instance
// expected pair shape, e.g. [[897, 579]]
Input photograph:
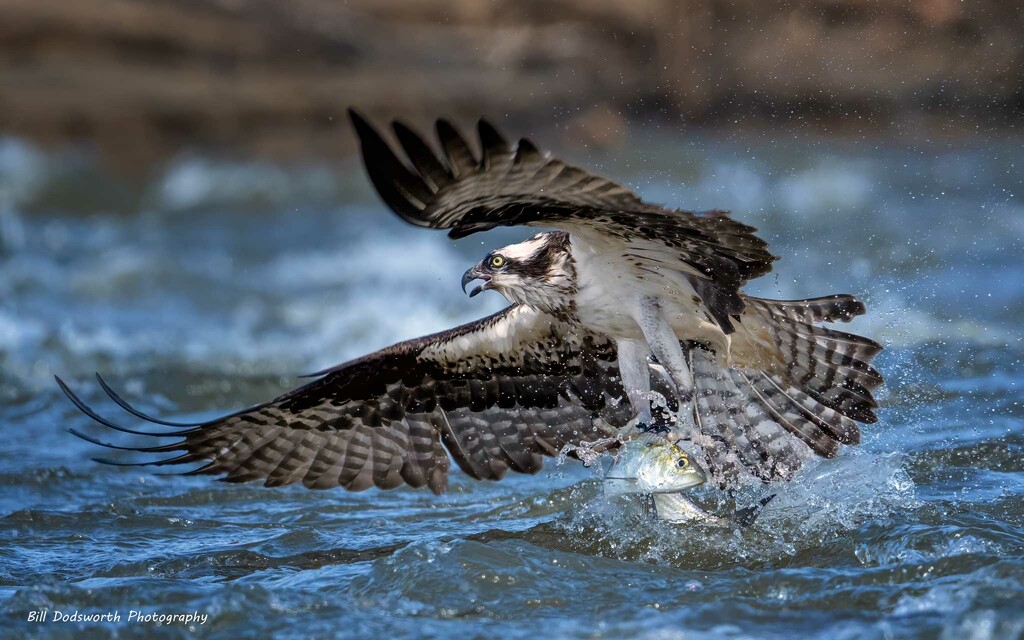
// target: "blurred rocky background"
[[140, 80]]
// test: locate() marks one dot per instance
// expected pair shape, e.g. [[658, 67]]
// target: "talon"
[[660, 429]]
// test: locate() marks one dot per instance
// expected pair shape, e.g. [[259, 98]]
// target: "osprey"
[[623, 302]]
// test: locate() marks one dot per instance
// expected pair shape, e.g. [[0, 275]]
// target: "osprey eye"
[[496, 262]]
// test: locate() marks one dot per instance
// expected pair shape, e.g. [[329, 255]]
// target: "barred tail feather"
[[840, 307], [740, 426], [832, 367], [822, 428], [719, 419], [753, 418]]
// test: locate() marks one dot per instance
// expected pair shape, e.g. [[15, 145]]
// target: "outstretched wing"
[[498, 394], [520, 185], [505, 391]]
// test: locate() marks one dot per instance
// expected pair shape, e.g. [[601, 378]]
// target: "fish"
[[657, 466], [652, 464]]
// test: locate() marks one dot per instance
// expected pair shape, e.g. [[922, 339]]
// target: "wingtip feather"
[[135, 412], [403, 191]]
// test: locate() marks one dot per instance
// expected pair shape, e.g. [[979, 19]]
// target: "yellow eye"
[[497, 262], [683, 463]]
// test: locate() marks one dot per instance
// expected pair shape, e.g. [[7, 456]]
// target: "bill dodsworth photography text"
[[132, 616]]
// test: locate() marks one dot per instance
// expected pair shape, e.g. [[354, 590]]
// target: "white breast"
[[610, 289], [607, 298]]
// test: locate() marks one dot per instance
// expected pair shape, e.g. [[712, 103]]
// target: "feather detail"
[[500, 393]]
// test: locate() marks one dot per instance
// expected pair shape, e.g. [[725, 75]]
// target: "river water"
[[217, 283]]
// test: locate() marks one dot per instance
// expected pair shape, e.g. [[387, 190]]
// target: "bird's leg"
[[664, 344], [636, 379]]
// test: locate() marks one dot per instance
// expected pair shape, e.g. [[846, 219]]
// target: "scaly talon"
[[661, 429]]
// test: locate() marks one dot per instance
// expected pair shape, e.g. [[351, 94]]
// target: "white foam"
[[193, 182], [827, 185]]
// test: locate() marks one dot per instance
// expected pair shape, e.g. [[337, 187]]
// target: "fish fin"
[[747, 515]]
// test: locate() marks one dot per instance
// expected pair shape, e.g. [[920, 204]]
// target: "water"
[[215, 285]]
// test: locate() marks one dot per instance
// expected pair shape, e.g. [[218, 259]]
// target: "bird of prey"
[[619, 302]]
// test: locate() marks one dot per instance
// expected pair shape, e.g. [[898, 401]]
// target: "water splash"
[[821, 504]]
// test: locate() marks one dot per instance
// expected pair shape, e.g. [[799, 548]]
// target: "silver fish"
[[654, 465]]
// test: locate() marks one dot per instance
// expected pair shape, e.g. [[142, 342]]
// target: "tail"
[[746, 516], [819, 394], [833, 367]]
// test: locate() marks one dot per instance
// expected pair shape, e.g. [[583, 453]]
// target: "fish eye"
[[683, 462], [496, 262]]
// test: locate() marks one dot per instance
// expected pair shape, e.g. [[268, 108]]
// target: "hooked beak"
[[476, 273]]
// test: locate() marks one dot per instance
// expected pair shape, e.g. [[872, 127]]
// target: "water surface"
[[221, 282]]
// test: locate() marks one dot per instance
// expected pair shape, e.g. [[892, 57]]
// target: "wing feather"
[[508, 186], [460, 157], [422, 158], [498, 394]]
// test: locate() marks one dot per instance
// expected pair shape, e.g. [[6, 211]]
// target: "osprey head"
[[538, 272]]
